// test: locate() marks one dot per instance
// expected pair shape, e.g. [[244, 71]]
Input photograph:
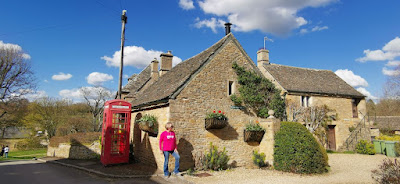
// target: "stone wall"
[[146, 147], [83, 151]]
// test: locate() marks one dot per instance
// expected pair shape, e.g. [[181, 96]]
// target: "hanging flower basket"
[[215, 120], [148, 123], [253, 135], [148, 126], [215, 124]]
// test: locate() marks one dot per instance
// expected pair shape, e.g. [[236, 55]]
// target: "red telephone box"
[[115, 134]]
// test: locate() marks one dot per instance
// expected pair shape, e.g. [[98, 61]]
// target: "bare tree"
[[392, 85], [95, 98], [315, 117], [16, 76]]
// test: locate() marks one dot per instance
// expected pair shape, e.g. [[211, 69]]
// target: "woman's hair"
[[168, 125]]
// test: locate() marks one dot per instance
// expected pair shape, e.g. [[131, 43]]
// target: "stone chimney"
[[262, 57], [154, 69], [166, 62]]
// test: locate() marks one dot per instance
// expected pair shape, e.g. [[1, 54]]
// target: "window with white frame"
[[305, 101], [231, 88]]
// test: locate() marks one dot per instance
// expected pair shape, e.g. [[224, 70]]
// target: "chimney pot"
[[227, 28]]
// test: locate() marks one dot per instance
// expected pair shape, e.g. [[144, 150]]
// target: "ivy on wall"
[[258, 93]]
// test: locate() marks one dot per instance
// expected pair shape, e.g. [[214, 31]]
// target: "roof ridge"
[[300, 67]]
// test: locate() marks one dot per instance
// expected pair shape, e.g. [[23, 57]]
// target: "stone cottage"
[[184, 94], [304, 87]]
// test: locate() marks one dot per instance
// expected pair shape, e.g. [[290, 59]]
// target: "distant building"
[[306, 87]]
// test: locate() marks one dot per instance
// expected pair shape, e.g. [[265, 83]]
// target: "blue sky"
[[74, 44]]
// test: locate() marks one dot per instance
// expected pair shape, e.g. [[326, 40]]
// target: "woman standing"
[[168, 146]]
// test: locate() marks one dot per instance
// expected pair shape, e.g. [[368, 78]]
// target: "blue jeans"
[[6, 153], [166, 159]]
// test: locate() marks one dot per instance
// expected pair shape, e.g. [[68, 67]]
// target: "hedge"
[[297, 151]]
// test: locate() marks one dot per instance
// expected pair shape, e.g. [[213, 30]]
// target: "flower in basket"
[[216, 115], [254, 127], [148, 122]]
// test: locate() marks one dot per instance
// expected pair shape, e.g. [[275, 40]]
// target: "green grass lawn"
[[26, 154]]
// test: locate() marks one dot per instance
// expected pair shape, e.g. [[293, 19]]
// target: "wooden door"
[[331, 137]]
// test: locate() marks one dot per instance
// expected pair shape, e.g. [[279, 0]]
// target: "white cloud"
[[46, 81], [314, 29], [96, 78], [76, 94], [213, 24], [125, 76], [389, 72], [270, 16], [186, 4], [137, 57], [31, 95], [303, 31], [351, 78], [390, 51], [14, 46], [61, 76], [367, 93], [393, 63], [70, 94], [318, 28]]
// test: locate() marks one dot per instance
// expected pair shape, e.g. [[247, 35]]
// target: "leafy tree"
[[16, 109], [258, 93], [47, 114]]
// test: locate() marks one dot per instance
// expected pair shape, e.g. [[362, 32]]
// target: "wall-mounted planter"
[[150, 127], [215, 124], [253, 136]]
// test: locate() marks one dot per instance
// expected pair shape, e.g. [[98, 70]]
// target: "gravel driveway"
[[345, 168]]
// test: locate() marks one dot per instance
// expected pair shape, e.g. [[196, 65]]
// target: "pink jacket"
[[167, 141]]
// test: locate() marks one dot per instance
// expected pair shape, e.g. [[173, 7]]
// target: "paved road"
[[36, 172]]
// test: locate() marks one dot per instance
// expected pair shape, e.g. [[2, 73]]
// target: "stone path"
[[345, 168]]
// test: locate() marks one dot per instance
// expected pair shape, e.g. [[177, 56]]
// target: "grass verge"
[[24, 155]]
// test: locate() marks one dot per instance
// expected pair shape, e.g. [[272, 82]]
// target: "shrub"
[[297, 151], [258, 93], [30, 143], [215, 160], [365, 147], [388, 172], [75, 139], [352, 128], [258, 159], [397, 148], [388, 138], [214, 115]]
